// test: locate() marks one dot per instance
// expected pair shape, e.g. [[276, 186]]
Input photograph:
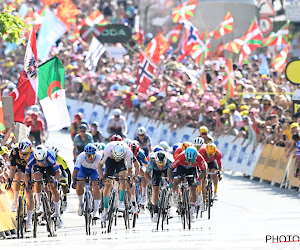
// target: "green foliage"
[[11, 25]]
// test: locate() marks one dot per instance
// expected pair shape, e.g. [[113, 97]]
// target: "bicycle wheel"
[[47, 215], [186, 203], [161, 207], [126, 213], [20, 218], [35, 223], [87, 213], [111, 211], [209, 201]]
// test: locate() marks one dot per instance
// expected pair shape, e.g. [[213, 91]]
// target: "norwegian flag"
[[145, 73], [92, 26], [27, 91], [184, 11], [280, 61]]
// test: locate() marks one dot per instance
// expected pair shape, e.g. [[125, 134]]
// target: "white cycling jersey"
[[81, 161], [108, 152]]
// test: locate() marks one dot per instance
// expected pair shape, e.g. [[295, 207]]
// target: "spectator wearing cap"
[[117, 124], [75, 124], [9, 88], [37, 131], [222, 103], [267, 84], [81, 140], [236, 118], [97, 136], [266, 108], [209, 119]]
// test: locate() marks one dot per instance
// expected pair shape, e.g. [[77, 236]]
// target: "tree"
[[11, 25]]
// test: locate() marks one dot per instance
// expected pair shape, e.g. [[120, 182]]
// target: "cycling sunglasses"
[[90, 155], [40, 161], [190, 160], [23, 153], [203, 133]]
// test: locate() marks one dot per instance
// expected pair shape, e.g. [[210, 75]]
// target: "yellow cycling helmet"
[[185, 145], [211, 149], [203, 129]]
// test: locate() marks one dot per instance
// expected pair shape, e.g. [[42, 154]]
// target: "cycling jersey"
[[80, 144], [108, 153], [49, 162], [181, 160], [16, 160], [144, 144], [298, 148], [141, 157], [82, 162], [217, 156], [153, 166]]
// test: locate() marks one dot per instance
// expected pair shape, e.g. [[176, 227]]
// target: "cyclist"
[[97, 136], [65, 178], [117, 124], [213, 157], [44, 165], [182, 148], [87, 165], [116, 138], [204, 134], [187, 163], [100, 146], [37, 131], [198, 142], [158, 164], [81, 140], [144, 140], [117, 157], [18, 160]]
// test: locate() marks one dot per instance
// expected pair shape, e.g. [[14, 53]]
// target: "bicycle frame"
[[22, 210], [163, 203]]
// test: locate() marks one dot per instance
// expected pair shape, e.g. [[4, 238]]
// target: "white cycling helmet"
[[136, 142], [164, 145], [118, 152], [127, 141], [141, 131], [198, 141], [40, 153], [54, 149], [160, 157], [117, 112]]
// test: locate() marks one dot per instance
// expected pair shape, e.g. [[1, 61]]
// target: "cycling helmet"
[[198, 141], [141, 131], [211, 149], [90, 148], [136, 142], [95, 124], [117, 112], [79, 116], [160, 157], [128, 141], [164, 145], [82, 126], [191, 154], [116, 138], [175, 146], [118, 151], [185, 145], [54, 149], [203, 129], [25, 146], [40, 153], [157, 148], [134, 148], [99, 145]]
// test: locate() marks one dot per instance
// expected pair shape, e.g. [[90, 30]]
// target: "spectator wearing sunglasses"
[[204, 134], [81, 140]]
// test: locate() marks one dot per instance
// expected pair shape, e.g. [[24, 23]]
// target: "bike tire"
[[87, 213], [209, 203], [160, 208], [20, 218], [187, 208], [47, 214], [126, 211], [111, 212], [134, 220], [35, 223]]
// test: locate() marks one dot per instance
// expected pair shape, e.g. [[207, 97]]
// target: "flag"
[[173, 35], [92, 26], [219, 51], [35, 18], [203, 83], [157, 47], [201, 50], [139, 37], [184, 11], [225, 27], [264, 67], [96, 50], [52, 94], [66, 11], [2, 124], [145, 73], [235, 45], [51, 2], [227, 81], [51, 30], [280, 61], [280, 37], [253, 40]]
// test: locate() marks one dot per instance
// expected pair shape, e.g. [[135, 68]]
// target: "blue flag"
[[51, 30], [264, 67]]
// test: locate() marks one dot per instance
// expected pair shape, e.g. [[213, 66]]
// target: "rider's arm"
[[149, 169], [100, 170], [137, 167]]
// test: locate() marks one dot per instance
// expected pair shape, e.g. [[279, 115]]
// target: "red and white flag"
[[280, 61], [27, 91], [145, 73], [157, 47]]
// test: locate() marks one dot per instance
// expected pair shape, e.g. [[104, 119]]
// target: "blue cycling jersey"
[[50, 161], [141, 157]]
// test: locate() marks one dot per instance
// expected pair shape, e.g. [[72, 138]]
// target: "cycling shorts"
[[112, 167], [156, 177], [85, 172]]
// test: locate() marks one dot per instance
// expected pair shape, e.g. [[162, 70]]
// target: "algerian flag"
[[51, 94]]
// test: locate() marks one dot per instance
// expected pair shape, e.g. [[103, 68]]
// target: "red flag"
[[157, 47], [139, 37], [184, 11], [281, 59], [227, 81], [2, 124], [36, 18], [173, 35], [27, 91], [145, 73], [67, 11], [224, 27], [219, 52]]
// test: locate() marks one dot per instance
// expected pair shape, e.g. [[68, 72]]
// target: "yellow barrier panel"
[[7, 218], [281, 170], [272, 163], [259, 169], [293, 182]]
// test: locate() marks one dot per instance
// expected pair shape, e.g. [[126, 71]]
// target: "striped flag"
[[278, 38], [184, 11], [281, 60], [96, 50], [173, 35], [224, 27]]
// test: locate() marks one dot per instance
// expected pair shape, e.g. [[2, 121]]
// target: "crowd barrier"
[[7, 218], [266, 162]]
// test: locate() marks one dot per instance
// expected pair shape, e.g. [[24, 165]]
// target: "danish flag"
[[145, 73]]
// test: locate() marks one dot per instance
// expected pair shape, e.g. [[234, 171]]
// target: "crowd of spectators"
[[261, 109]]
